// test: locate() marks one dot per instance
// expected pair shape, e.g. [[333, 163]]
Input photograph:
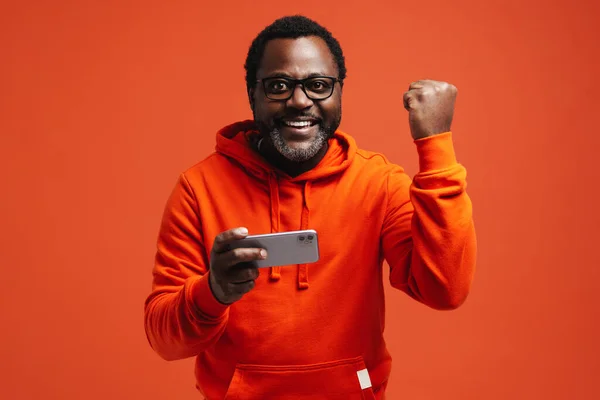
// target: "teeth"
[[298, 124]]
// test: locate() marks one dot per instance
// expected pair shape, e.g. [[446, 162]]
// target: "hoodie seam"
[[387, 179], [193, 192], [387, 201], [373, 156], [205, 160], [199, 216]]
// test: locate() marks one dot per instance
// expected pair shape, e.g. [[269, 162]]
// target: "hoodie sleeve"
[[428, 234], [182, 316]]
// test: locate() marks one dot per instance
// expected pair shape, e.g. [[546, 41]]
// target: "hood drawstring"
[[303, 268], [274, 272]]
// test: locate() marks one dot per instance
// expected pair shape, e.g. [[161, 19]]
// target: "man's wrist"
[[204, 300], [216, 290], [436, 152]]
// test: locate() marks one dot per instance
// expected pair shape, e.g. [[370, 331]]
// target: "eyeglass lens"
[[316, 88]]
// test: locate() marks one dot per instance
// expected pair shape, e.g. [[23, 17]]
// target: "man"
[[307, 331]]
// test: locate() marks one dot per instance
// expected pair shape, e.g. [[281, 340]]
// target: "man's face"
[[299, 126]]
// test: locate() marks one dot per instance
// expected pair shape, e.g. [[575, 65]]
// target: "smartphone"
[[283, 248]]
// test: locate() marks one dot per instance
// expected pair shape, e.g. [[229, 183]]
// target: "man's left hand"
[[430, 106]]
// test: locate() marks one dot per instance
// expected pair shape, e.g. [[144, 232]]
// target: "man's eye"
[[278, 86], [318, 85]]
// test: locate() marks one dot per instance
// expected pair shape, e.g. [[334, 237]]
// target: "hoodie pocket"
[[337, 380]]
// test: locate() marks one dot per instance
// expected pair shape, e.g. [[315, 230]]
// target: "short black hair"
[[291, 27]]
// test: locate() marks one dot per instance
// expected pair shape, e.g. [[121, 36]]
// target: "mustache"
[[297, 115]]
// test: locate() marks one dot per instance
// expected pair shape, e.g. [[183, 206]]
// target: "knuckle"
[[239, 289], [220, 238], [253, 273], [238, 253], [232, 289]]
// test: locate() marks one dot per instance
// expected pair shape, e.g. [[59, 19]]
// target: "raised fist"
[[430, 106]]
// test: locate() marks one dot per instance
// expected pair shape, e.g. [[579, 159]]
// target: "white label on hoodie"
[[364, 379]]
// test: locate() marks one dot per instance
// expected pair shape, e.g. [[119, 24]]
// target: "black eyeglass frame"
[[296, 82]]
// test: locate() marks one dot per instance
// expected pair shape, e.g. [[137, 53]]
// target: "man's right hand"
[[233, 272]]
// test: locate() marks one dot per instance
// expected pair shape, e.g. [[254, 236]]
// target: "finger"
[[223, 239], [243, 272], [417, 85], [241, 288], [407, 99], [421, 83], [236, 256], [453, 89]]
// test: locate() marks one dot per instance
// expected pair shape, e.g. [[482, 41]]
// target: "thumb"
[[408, 100]]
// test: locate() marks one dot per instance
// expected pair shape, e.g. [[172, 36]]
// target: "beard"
[[301, 154], [305, 152]]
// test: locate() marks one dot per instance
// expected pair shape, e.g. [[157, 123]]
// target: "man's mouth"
[[299, 123]]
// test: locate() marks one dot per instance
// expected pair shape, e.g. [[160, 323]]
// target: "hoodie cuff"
[[436, 152], [203, 301]]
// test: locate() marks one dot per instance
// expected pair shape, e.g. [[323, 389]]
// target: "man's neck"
[[293, 168]]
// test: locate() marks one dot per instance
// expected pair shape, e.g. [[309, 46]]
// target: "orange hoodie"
[[308, 331]]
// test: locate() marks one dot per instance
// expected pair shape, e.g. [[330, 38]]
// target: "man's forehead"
[[297, 57]]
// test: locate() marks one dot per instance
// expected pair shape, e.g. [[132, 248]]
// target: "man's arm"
[[428, 235], [182, 316]]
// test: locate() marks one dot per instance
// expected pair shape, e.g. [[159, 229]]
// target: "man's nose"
[[299, 99]]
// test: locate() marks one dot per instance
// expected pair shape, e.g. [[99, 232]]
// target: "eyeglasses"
[[315, 87]]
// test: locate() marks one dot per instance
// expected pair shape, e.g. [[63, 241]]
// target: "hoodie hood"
[[236, 141]]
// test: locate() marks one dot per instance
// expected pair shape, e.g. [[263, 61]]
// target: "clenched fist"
[[430, 106]]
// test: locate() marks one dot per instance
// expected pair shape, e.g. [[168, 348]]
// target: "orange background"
[[104, 103]]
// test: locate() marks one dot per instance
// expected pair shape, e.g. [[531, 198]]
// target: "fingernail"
[[263, 254], [243, 231]]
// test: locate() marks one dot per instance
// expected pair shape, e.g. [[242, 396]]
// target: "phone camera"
[[310, 237], [301, 238]]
